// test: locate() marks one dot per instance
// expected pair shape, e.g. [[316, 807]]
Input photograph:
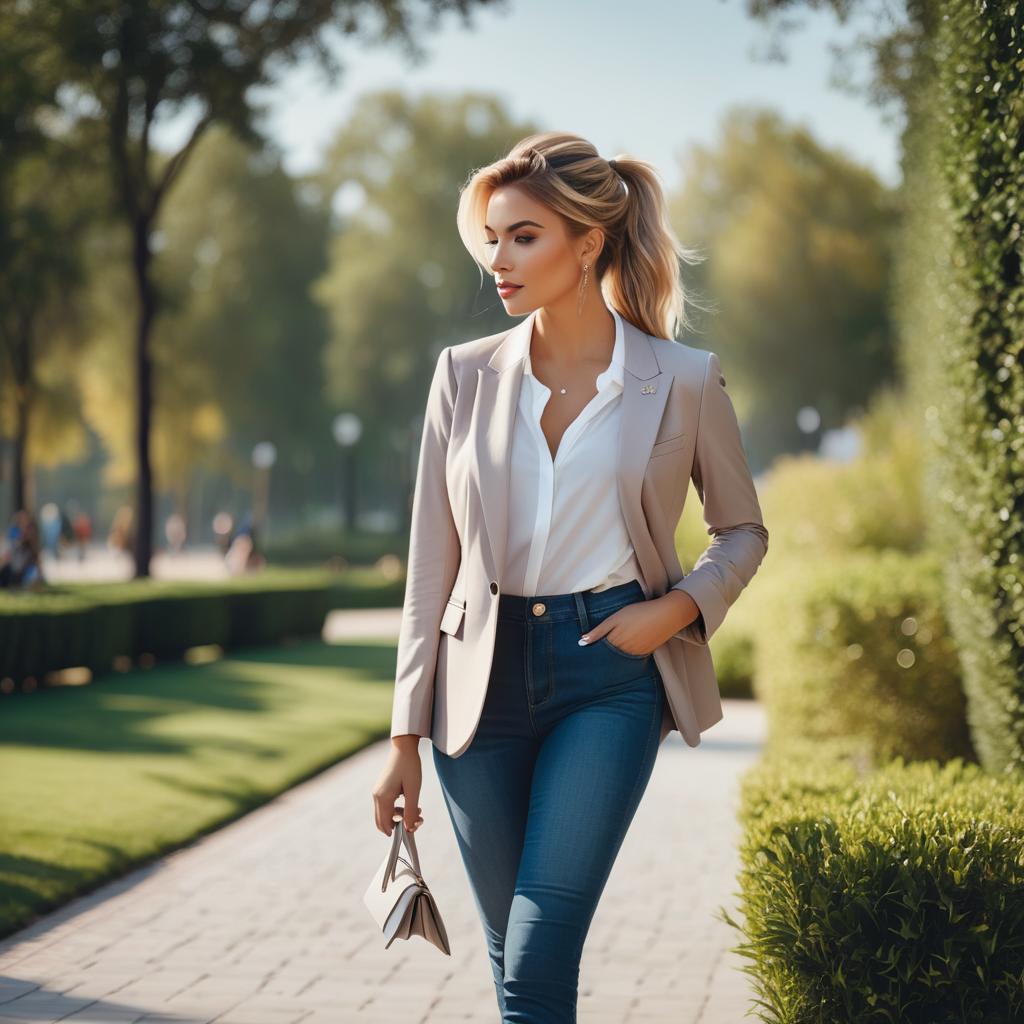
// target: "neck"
[[563, 337]]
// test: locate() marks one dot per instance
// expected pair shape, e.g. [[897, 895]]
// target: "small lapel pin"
[[648, 389]]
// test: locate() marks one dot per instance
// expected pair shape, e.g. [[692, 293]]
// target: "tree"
[[800, 238], [126, 62], [400, 284], [238, 347], [47, 202]]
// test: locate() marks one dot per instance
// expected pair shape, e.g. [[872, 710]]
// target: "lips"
[[508, 289]]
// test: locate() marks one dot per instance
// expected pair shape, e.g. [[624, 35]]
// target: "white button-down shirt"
[[566, 531]]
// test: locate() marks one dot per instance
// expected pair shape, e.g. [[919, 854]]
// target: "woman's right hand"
[[402, 776]]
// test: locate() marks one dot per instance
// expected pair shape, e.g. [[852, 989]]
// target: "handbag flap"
[[380, 904]]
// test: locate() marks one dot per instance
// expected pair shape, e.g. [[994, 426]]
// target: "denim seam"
[[528, 676], [548, 681], [550, 629], [651, 733]]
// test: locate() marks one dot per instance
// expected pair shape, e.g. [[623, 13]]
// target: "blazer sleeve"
[[435, 553], [731, 511]]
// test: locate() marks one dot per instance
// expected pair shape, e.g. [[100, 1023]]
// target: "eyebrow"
[[518, 224]]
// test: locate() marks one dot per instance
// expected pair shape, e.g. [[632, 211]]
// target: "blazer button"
[[494, 587]]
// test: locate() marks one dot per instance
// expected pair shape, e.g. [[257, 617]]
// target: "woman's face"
[[529, 247]]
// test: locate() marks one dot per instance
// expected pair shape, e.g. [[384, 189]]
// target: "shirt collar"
[[614, 371]]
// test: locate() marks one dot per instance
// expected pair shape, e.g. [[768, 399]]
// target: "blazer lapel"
[[497, 396], [645, 388], [645, 391]]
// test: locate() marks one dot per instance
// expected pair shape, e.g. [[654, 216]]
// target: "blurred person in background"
[[67, 530], [176, 532], [243, 554], [223, 525], [49, 514], [122, 530], [20, 563], [82, 526]]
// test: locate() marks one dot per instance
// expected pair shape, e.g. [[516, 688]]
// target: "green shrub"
[[733, 654], [319, 545], [888, 896], [856, 646], [91, 625], [871, 503], [874, 501]]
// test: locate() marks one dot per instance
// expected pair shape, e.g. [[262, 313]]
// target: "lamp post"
[[264, 455], [347, 429]]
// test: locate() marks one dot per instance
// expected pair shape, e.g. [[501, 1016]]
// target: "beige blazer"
[[678, 424]]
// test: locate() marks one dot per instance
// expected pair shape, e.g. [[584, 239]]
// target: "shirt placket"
[[548, 467]]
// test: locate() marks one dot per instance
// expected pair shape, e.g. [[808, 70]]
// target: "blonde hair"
[[638, 268]]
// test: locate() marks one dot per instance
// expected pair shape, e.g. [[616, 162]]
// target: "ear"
[[592, 245]]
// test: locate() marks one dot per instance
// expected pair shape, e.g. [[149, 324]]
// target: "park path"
[[262, 922]]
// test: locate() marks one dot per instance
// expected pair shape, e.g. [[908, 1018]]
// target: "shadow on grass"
[[121, 712], [185, 750]]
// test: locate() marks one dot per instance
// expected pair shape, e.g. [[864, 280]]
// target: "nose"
[[499, 261]]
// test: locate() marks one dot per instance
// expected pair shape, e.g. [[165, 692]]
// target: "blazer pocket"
[[452, 618], [669, 444]]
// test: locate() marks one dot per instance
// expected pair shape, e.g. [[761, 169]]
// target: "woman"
[[549, 637]]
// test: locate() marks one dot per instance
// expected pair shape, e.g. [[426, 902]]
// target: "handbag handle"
[[401, 834]]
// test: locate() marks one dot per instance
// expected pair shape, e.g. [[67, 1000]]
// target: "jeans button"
[[539, 608]]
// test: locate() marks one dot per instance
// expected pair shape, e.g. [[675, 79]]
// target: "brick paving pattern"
[[262, 922]]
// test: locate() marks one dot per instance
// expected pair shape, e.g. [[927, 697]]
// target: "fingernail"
[[583, 641]]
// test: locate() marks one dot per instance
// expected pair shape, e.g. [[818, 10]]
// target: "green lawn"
[[100, 778]]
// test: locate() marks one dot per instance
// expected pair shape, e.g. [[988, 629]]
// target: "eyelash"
[[529, 239]]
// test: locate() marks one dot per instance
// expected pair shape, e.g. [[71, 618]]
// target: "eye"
[[527, 238]]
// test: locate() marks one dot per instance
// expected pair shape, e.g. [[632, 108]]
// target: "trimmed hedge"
[[326, 544], [857, 646], [92, 625], [960, 300], [889, 896]]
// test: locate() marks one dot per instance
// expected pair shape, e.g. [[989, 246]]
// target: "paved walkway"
[[262, 922]]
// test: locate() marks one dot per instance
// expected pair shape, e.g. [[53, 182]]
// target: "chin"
[[513, 304]]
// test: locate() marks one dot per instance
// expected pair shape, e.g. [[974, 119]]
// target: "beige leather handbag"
[[399, 899]]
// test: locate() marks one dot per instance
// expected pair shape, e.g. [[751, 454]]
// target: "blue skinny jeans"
[[543, 796]]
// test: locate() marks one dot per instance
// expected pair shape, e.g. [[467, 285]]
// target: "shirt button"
[[494, 587], [539, 608]]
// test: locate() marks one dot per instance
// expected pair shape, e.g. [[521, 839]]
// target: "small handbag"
[[400, 900]]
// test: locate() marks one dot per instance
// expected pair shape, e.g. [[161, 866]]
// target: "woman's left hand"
[[643, 626]]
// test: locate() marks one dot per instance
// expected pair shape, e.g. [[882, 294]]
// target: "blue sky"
[[645, 77]]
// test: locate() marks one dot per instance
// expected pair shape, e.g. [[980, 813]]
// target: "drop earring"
[[583, 289]]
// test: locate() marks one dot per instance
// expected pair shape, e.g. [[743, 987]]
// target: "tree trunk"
[[22, 485], [21, 372], [144, 400]]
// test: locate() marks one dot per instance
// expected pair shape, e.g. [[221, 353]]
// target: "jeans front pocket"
[[621, 652]]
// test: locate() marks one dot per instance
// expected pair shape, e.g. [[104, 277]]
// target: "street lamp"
[[347, 428], [264, 455]]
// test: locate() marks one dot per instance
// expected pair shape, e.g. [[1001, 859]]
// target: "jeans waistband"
[[563, 606]]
